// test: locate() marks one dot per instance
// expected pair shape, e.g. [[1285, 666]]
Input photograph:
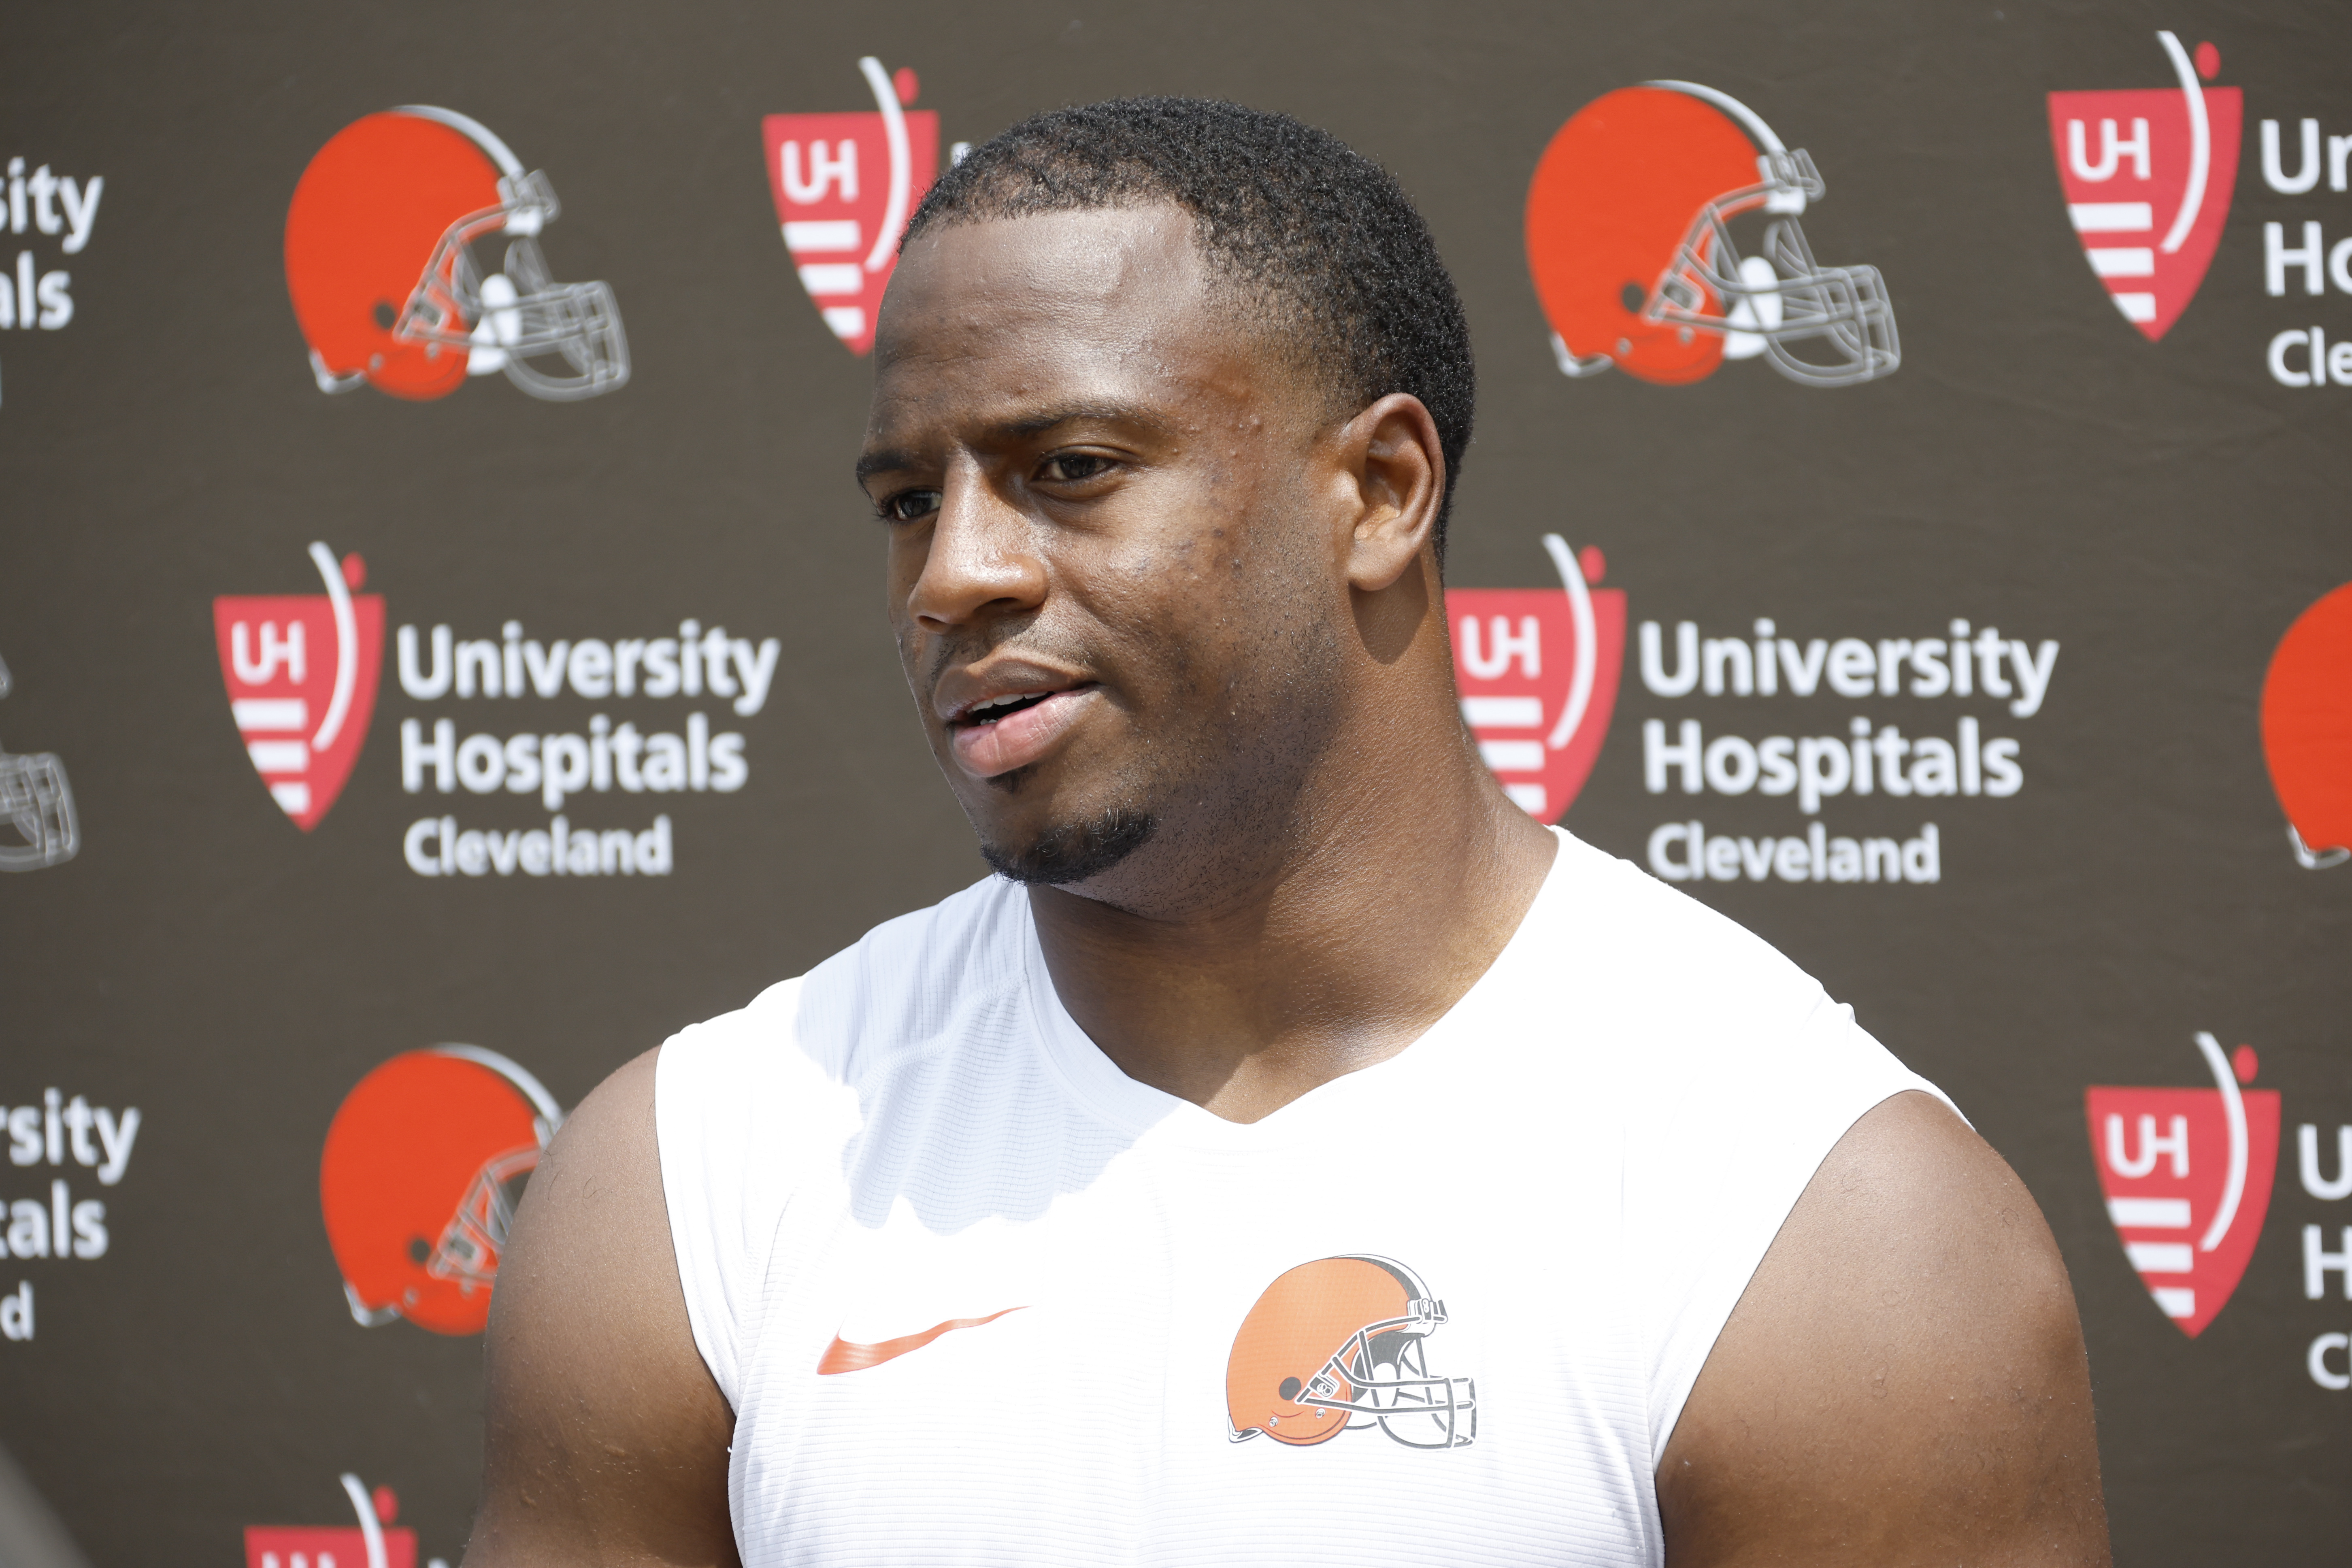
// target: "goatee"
[[1074, 851]]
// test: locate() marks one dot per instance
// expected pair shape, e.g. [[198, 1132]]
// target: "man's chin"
[[1072, 852]]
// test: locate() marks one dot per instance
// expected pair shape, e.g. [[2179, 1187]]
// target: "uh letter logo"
[[844, 184], [2147, 176], [376, 1542], [1536, 670], [2187, 1173], [301, 673]]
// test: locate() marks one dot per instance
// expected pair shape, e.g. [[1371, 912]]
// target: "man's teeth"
[[981, 712]]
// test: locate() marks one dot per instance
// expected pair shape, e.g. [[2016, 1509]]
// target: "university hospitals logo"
[[2307, 731], [374, 1543], [301, 672], [845, 186], [2147, 175], [424, 1162], [1536, 670], [1630, 230], [2187, 1173], [391, 292]]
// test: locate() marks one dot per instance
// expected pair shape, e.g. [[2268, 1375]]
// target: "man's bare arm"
[[607, 1442], [1903, 1380]]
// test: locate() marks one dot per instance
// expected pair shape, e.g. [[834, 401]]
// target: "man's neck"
[[1338, 951]]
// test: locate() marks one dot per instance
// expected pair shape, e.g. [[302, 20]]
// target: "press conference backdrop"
[[446, 651]]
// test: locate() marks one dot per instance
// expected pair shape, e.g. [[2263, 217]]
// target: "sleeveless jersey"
[[977, 1296]]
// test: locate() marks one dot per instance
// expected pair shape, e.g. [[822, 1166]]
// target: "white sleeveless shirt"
[[977, 1296]]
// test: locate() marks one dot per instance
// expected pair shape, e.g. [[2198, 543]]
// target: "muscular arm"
[[607, 1442], [1903, 1381]]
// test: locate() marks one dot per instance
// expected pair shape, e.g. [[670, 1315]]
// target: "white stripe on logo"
[[2151, 1214], [2123, 260], [2111, 218], [2160, 1257], [1503, 713], [270, 713], [831, 234]]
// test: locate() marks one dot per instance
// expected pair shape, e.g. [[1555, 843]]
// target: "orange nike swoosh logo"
[[843, 1355]]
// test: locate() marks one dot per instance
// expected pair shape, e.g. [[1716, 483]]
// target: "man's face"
[[1115, 575]]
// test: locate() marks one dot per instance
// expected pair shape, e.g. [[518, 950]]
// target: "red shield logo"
[[373, 1542], [301, 673], [2147, 176], [844, 184], [2307, 729], [2187, 1173], [1536, 670]]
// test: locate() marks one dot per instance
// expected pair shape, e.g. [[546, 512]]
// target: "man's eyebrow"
[[1074, 412], [1028, 427], [882, 462]]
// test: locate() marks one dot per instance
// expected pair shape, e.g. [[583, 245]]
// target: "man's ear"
[[1391, 452]]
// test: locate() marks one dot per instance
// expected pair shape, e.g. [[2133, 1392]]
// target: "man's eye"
[[909, 506], [1070, 466]]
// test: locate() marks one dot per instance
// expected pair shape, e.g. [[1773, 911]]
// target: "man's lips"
[[1002, 736]]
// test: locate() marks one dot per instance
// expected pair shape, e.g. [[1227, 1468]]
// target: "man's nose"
[[981, 559]]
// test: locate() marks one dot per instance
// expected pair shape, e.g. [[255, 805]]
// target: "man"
[[1294, 1154]]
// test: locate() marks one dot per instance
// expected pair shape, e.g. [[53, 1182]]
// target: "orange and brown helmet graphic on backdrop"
[[391, 290], [423, 1163], [1630, 233], [2307, 729], [1337, 1343]]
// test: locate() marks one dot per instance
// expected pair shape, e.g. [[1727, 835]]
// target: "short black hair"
[[1325, 237]]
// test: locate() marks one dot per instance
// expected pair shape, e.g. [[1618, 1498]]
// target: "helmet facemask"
[[37, 804], [1379, 1377], [476, 1235], [1780, 296], [559, 342]]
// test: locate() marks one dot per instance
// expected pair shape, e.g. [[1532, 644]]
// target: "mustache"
[[1019, 638]]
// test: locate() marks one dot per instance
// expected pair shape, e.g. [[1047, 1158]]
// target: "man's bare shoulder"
[[607, 1438], [1904, 1379]]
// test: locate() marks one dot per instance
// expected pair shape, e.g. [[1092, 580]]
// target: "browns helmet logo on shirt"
[[390, 290], [424, 1164], [1630, 226], [1339, 1343]]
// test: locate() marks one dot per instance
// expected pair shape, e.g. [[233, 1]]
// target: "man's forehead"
[[1068, 261], [1013, 325]]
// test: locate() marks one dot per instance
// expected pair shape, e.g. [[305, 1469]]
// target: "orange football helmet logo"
[[389, 286], [1630, 243], [1338, 1343], [424, 1165], [2307, 729]]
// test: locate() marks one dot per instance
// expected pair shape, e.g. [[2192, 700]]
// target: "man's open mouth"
[[1001, 734], [997, 709]]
